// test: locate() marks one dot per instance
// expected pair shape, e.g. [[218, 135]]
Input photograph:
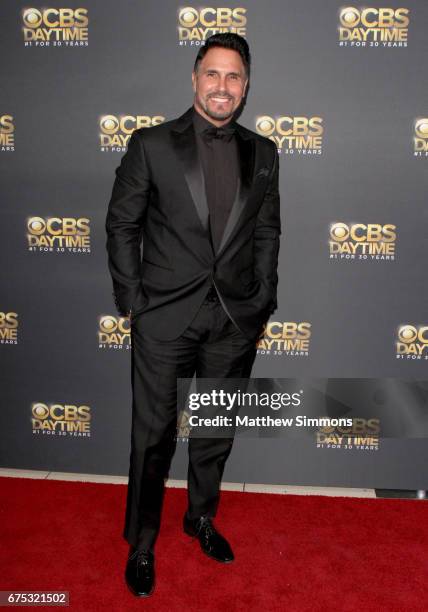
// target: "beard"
[[220, 113]]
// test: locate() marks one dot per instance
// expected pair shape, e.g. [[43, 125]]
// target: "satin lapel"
[[246, 163], [187, 152]]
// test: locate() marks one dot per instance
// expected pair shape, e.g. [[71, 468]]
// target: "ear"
[[245, 88], [194, 81]]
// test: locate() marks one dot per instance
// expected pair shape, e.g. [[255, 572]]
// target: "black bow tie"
[[224, 133]]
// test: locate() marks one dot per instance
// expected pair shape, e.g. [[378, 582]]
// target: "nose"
[[222, 85]]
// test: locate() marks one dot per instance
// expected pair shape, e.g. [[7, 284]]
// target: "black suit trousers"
[[210, 347]]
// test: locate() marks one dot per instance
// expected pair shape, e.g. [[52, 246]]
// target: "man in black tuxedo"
[[201, 192]]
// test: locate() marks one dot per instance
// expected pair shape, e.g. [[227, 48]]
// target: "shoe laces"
[[206, 525], [143, 557]]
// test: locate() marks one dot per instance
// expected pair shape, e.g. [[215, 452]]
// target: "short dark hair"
[[228, 40]]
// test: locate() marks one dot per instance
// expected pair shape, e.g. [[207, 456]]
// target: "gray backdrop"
[[64, 352]]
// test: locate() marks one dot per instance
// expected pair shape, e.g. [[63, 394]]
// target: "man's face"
[[219, 84]]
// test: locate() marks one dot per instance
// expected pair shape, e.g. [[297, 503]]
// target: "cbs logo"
[[56, 226], [287, 126], [60, 412], [209, 17], [359, 426], [6, 124], [8, 320], [359, 232], [110, 124], [421, 128], [288, 330], [409, 334], [350, 17], [55, 18], [183, 425], [109, 324]]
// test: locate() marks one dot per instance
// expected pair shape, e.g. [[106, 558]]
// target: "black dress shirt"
[[220, 165]]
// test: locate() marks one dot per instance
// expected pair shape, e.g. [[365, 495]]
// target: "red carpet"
[[293, 553]]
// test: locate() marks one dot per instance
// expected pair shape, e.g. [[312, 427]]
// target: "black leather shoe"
[[212, 543], [140, 572]]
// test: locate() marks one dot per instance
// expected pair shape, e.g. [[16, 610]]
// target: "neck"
[[216, 122]]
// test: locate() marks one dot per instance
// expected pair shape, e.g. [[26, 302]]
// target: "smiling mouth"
[[220, 99]]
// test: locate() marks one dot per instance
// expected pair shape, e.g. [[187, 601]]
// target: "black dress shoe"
[[212, 543], [140, 572]]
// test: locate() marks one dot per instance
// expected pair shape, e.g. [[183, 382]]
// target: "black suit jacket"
[[159, 197]]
